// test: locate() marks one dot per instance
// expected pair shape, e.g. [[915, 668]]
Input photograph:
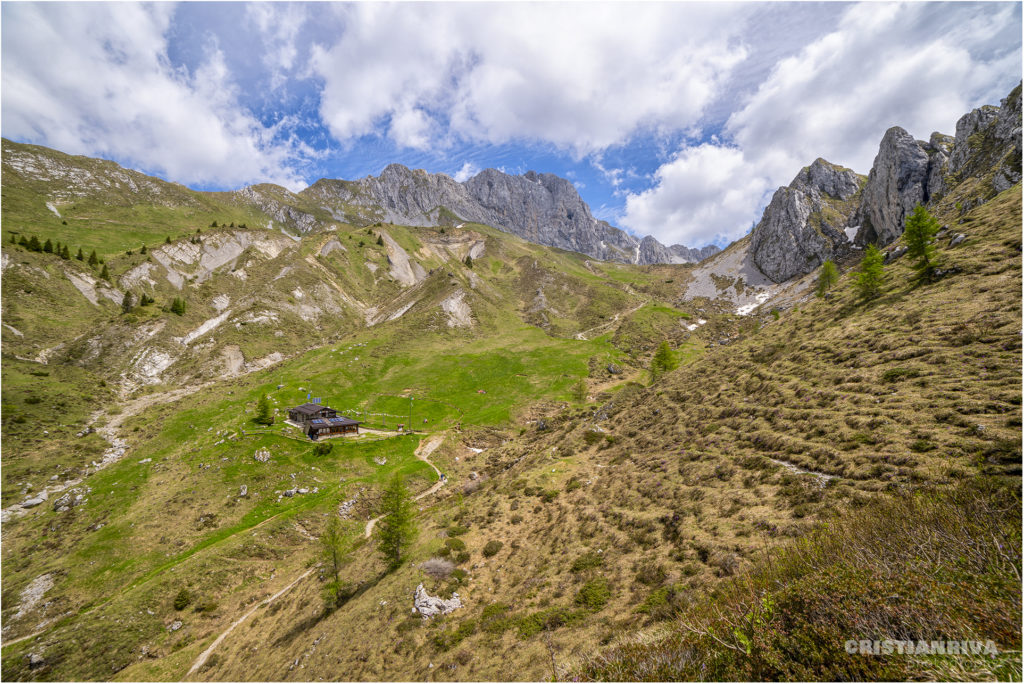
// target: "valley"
[[807, 469]]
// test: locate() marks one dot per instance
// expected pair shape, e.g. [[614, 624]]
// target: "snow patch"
[[14, 330], [49, 205], [851, 232], [748, 309]]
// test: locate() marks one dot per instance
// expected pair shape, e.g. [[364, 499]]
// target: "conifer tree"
[[105, 274], [93, 259], [664, 360], [14, 240], [871, 275], [335, 553], [920, 231], [126, 303], [33, 244], [468, 261], [23, 242], [397, 527], [142, 250], [80, 256], [263, 414], [48, 246], [827, 277], [65, 253]]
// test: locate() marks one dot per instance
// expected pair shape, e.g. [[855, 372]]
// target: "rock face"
[[539, 207], [803, 224], [989, 139], [429, 606], [903, 172]]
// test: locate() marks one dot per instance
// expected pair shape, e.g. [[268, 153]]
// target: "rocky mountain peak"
[[803, 224]]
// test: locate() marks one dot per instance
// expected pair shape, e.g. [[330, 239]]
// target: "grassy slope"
[[678, 493], [673, 492]]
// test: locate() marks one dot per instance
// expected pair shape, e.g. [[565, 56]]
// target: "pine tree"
[[380, 241], [827, 277], [105, 274], [23, 242], [56, 248], [397, 527], [579, 391], [48, 247], [167, 240], [920, 231], [142, 250], [127, 304], [212, 225], [263, 414], [335, 550], [80, 256], [468, 261], [14, 240], [664, 360], [871, 275], [65, 253], [178, 306], [33, 244], [93, 259]]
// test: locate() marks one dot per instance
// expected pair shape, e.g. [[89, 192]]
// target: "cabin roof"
[[339, 421], [310, 409]]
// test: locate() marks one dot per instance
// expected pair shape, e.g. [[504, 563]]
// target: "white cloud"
[[706, 193], [468, 170], [279, 25], [499, 73], [916, 65], [95, 79]]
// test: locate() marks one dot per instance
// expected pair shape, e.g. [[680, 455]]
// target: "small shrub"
[[492, 547], [456, 530], [455, 544], [322, 449], [182, 599], [896, 374], [594, 594], [587, 561]]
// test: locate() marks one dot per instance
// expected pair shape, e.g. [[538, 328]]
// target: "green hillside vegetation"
[[738, 517]]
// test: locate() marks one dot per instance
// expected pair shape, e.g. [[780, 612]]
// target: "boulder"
[[429, 606]]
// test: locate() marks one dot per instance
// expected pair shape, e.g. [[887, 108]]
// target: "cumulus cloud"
[[916, 65], [468, 170], [706, 193], [95, 79], [500, 73]]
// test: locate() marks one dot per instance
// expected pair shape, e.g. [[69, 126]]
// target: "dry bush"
[[438, 568]]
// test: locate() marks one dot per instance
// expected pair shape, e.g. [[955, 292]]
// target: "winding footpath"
[[615, 319], [422, 452]]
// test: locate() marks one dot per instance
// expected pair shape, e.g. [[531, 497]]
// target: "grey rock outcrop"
[[539, 207], [989, 139], [803, 224], [899, 180], [429, 606]]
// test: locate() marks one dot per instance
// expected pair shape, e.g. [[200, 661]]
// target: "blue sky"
[[676, 120]]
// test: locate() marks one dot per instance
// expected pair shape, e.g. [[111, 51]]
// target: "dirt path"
[[422, 452], [110, 432], [615, 319], [201, 660]]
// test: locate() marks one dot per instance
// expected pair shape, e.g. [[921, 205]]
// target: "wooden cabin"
[[318, 421]]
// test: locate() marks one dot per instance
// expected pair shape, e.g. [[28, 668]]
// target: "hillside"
[[815, 470]]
